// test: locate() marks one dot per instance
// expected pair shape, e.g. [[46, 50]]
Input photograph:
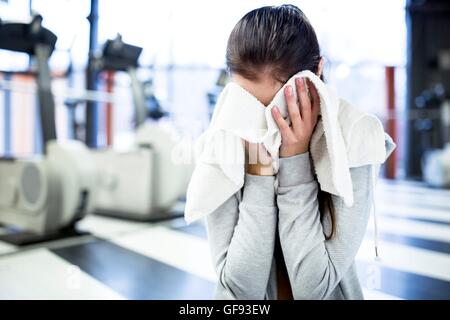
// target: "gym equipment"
[[427, 65], [46, 195], [142, 183], [436, 167], [435, 133]]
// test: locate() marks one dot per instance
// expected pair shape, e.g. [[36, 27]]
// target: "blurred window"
[[185, 42]]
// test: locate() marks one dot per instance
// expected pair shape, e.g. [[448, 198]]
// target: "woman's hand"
[[303, 115], [258, 162]]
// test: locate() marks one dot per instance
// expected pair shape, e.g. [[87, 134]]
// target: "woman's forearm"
[[315, 266], [242, 238]]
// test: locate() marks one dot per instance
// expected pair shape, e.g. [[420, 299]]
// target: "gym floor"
[[129, 260]]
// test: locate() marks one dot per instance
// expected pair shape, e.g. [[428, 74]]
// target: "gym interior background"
[[98, 215]]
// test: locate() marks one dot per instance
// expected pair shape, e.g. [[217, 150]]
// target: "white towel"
[[344, 137]]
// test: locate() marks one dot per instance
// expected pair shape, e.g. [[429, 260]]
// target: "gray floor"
[[130, 260]]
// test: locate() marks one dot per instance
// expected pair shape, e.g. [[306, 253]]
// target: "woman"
[[298, 242]]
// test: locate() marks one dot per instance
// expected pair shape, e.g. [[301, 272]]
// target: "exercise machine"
[[435, 135], [43, 196], [142, 183]]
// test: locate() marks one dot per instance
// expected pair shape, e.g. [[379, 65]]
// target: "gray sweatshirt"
[[242, 236]]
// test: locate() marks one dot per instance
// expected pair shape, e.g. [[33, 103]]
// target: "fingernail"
[[289, 90], [300, 83]]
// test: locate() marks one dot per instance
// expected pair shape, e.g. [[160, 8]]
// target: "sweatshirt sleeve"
[[316, 266], [242, 237]]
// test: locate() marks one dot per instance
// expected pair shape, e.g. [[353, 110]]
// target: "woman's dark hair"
[[280, 41]]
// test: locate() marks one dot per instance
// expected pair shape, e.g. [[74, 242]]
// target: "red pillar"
[[109, 78], [391, 124]]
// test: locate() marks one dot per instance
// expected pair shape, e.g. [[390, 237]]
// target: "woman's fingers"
[[313, 92], [257, 154], [303, 98], [264, 157], [285, 130], [315, 99], [293, 108]]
